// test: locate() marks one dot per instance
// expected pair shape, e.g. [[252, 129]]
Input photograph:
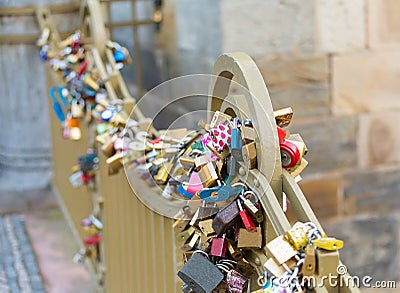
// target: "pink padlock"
[[195, 184], [121, 144]]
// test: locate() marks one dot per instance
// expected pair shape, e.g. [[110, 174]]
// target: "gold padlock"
[[328, 243], [108, 148], [191, 243], [219, 118], [162, 175], [309, 265], [206, 227], [184, 235], [179, 225], [234, 251], [248, 239], [280, 249], [248, 134], [91, 230], [283, 116], [249, 154], [327, 262], [200, 161], [90, 82], [187, 162], [297, 235], [115, 161], [208, 175], [296, 170]]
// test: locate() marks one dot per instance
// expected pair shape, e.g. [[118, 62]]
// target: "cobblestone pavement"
[[19, 271]]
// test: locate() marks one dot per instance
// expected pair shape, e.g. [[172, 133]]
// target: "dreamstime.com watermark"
[[339, 280]]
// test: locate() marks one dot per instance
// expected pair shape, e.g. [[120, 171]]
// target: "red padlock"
[[290, 154], [93, 240], [86, 178], [281, 134], [247, 221], [82, 68], [218, 246]]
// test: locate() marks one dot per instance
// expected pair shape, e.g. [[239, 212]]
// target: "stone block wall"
[[337, 63]]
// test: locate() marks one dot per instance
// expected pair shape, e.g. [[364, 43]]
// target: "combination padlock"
[[290, 154]]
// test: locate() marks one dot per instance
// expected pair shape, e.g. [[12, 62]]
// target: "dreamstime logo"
[[341, 279], [181, 103]]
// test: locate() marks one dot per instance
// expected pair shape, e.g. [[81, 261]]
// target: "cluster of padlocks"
[[84, 94]]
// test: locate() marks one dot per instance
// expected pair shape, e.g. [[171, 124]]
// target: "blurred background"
[[335, 62]]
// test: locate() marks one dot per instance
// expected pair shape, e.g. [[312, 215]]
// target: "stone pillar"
[[25, 159]]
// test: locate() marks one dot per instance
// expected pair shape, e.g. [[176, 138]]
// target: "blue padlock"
[[236, 142], [184, 192], [220, 193], [119, 56]]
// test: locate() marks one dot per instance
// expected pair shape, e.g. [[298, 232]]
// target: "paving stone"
[[375, 190], [371, 246], [331, 142]]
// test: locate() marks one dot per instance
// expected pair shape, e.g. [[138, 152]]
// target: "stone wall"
[[337, 63]]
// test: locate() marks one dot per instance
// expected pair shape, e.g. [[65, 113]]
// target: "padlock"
[[163, 173], [297, 235], [90, 230], [121, 144], [236, 141], [221, 137], [183, 236], [248, 239], [115, 162], [219, 118], [290, 154], [327, 262], [200, 274], [328, 243], [281, 134], [92, 240], [274, 268], [309, 265], [208, 175], [75, 133], [187, 162], [179, 225], [248, 134], [283, 116], [235, 252], [236, 282], [77, 108], [246, 219], [253, 210], [206, 227], [200, 161], [195, 184], [96, 222], [218, 246], [296, 170], [249, 154], [76, 179], [226, 218], [90, 82], [108, 148], [281, 249], [191, 243]]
